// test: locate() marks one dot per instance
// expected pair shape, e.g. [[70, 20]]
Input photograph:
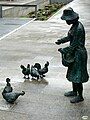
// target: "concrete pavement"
[[8, 25], [35, 42]]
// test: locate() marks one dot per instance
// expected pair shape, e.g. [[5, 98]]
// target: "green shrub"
[[46, 12]]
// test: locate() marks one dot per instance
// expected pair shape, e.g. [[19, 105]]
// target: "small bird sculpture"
[[37, 65], [8, 87], [8, 93], [26, 71], [43, 70], [34, 72], [12, 96]]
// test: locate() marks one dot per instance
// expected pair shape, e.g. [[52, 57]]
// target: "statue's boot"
[[73, 92], [77, 99], [70, 94]]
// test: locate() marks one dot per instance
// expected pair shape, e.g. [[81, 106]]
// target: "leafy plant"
[[46, 12]]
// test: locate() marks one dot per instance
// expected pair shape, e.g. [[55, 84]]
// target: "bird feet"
[[26, 77]]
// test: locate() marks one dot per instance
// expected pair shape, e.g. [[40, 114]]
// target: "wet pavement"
[[44, 99], [8, 25]]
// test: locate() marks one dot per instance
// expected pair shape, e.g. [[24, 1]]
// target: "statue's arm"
[[77, 37], [62, 40]]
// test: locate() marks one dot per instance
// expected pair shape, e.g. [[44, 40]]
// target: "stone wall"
[[60, 1], [22, 11]]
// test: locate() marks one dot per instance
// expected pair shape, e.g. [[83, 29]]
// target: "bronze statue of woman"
[[75, 55]]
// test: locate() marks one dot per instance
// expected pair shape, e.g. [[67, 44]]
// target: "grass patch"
[[46, 12]]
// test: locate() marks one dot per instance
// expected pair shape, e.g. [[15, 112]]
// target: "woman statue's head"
[[69, 16]]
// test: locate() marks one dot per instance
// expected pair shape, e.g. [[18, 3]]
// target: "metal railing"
[[17, 5]]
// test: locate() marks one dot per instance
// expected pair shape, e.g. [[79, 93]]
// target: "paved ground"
[[35, 42], [7, 25]]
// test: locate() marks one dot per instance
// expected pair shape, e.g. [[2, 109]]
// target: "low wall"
[[22, 11], [61, 1]]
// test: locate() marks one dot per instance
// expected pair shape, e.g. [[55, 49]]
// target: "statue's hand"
[[58, 42], [60, 50]]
